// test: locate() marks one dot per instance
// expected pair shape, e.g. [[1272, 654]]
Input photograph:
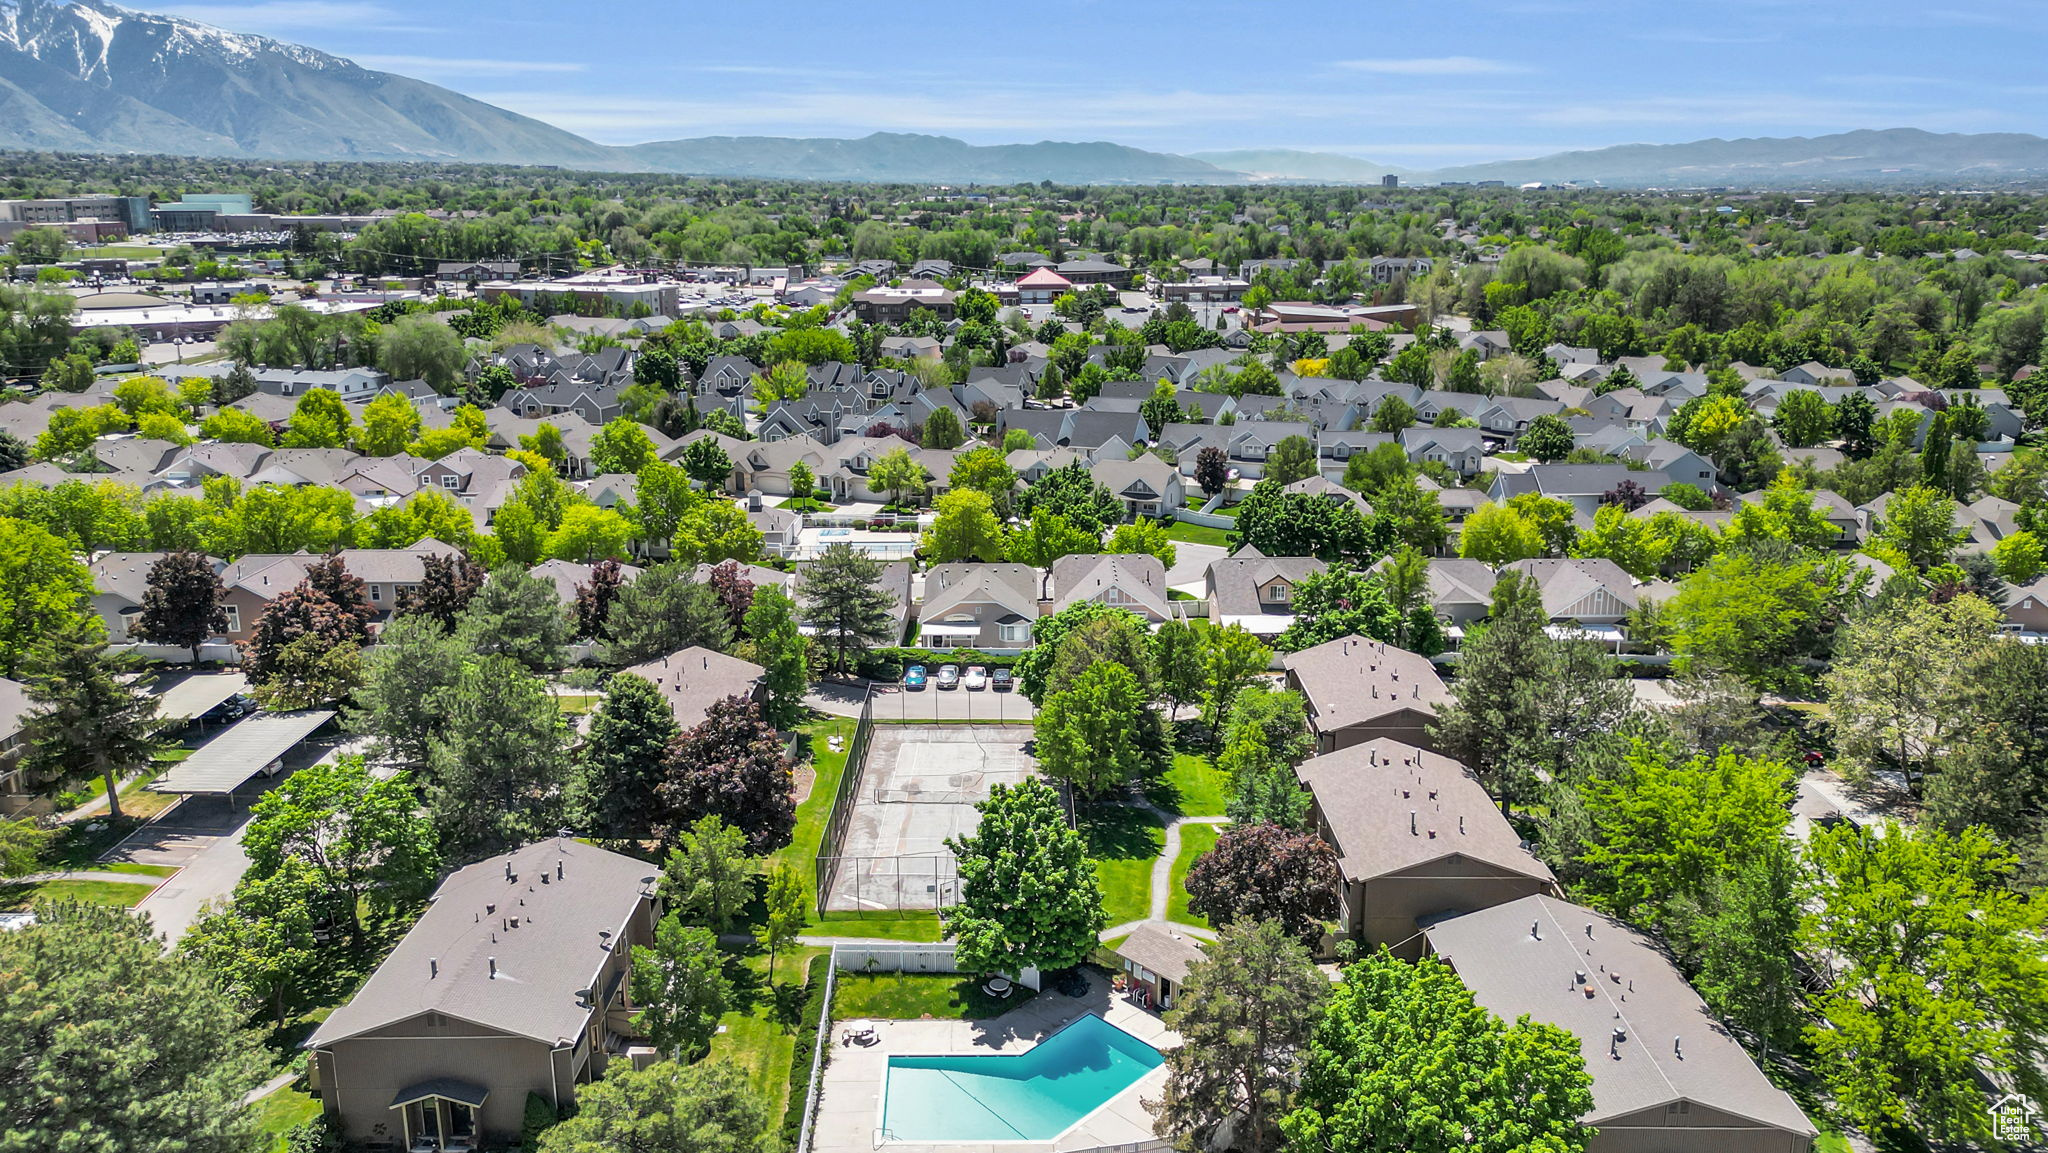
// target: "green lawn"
[[124, 894], [911, 996], [1192, 788], [1194, 841], [802, 850], [1187, 533], [137, 870], [282, 1111], [761, 1028], [574, 705], [1124, 842]]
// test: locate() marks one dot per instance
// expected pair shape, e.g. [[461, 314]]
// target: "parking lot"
[[970, 706]]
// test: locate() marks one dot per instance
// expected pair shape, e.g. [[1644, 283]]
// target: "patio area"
[[850, 1098]]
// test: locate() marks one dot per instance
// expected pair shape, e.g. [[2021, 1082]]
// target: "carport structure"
[[250, 746], [189, 696]]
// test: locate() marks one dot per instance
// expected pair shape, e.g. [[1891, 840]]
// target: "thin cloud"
[[1432, 66], [275, 16], [445, 66]]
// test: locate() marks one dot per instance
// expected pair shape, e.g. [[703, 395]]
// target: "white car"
[[976, 679]]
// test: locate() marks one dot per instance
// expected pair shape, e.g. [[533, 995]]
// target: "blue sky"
[[1416, 84]]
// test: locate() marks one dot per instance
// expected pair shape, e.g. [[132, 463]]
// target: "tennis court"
[[919, 787]]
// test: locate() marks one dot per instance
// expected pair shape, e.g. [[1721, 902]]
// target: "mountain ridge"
[[93, 76]]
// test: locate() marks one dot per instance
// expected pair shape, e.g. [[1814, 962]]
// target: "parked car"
[[913, 677], [233, 709], [949, 676], [1000, 680], [977, 678]]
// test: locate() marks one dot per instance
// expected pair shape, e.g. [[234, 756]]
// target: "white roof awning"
[[246, 748]]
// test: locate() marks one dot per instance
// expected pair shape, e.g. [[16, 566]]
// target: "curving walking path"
[[1162, 882]]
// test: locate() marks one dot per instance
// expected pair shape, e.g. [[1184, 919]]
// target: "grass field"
[[761, 1028], [911, 996], [1124, 842], [1192, 788], [1187, 533], [123, 894], [281, 1112], [1194, 841]]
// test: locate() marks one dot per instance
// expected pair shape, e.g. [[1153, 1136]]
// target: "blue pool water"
[[1031, 1096]]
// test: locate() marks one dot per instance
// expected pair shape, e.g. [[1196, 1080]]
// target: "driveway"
[[1190, 571], [202, 838]]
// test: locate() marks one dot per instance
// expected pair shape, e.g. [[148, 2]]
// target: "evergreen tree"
[[624, 759], [845, 605], [89, 714]]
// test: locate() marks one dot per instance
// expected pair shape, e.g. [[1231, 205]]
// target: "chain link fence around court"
[[834, 840], [917, 787]]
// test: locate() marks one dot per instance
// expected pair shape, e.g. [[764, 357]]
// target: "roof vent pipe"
[[494, 968], [1411, 822]]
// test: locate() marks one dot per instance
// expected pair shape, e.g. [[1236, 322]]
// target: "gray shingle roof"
[[566, 931], [1634, 988], [1352, 680], [1367, 791], [694, 679], [1162, 950]]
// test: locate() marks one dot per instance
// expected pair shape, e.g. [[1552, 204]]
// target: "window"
[[234, 618], [1278, 592], [451, 481], [1017, 632], [376, 592]]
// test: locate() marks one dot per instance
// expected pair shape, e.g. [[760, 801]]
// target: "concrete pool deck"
[[850, 1097]]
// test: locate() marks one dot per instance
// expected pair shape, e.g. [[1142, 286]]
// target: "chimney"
[[494, 968]]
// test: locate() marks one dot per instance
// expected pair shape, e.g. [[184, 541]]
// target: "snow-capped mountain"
[[90, 76]]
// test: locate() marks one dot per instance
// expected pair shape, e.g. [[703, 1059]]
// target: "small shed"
[[1156, 959]]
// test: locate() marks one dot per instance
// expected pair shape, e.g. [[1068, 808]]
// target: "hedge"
[[793, 1114]]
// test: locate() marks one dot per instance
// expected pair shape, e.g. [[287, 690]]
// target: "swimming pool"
[[1031, 1096]]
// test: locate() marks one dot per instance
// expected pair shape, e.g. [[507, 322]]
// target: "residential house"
[[1147, 486], [1416, 837], [1591, 592], [1460, 591], [1668, 1076], [1678, 463], [979, 606], [1360, 690], [694, 679], [1462, 450], [1330, 490], [17, 793], [119, 582], [1132, 581], [1583, 486], [1255, 592], [568, 576], [512, 985]]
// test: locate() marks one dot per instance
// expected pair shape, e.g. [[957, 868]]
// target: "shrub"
[[800, 1058], [317, 1135], [540, 1117]]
